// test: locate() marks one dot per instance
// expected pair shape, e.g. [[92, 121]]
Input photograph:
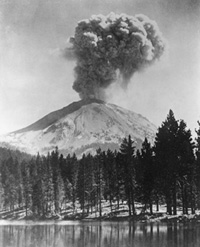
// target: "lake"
[[98, 234]]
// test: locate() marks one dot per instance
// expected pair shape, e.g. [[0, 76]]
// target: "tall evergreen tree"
[[69, 171], [186, 167], [110, 177], [58, 185], [99, 161], [174, 156], [25, 173], [146, 174], [81, 182], [127, 168], [166, 159], [47, 183], [37, 189], [197, 165]]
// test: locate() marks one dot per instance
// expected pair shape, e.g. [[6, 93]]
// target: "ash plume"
[[112, 46]]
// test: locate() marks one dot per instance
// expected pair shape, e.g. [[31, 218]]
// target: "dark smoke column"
[[108, 47]]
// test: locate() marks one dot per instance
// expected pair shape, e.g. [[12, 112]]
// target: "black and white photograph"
[[99, 123]]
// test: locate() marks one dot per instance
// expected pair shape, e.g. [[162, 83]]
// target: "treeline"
[[166, 173]]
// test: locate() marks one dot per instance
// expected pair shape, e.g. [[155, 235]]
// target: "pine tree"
[[99, 160], [186, 166], [25, 173], [81, 183], [197, 166], [166, 159], [62, 186], [174, 160], [56, 179], [127, 168], [47, 183], [73, 179], [85, 183], [36, 186], [120, 192], [146, 174], [110, 177], [18, 182], [69, 172]]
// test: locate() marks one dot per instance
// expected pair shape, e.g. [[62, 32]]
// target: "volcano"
[[81, 127]]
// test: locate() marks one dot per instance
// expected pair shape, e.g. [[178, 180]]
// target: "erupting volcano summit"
[[81, 127]]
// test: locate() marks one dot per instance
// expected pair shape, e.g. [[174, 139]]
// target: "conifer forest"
[[164, 173]]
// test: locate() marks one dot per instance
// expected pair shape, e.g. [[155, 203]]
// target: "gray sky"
[[35, 79]]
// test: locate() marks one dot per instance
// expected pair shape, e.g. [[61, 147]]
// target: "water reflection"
[[97, 234]]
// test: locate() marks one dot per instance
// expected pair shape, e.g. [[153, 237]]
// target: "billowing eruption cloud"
[[111, 47]]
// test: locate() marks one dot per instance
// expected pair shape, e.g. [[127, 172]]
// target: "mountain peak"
[[82, 127], [56, 115]]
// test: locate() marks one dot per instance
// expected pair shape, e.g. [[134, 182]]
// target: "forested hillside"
[[166, 173]]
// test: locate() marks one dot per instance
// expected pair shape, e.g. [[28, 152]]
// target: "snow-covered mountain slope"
[[81, 127]]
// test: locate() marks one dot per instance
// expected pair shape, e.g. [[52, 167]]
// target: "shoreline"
[[140, 218]]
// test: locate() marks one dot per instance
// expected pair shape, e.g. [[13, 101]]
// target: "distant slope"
[[82, 127], [55, 116]]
